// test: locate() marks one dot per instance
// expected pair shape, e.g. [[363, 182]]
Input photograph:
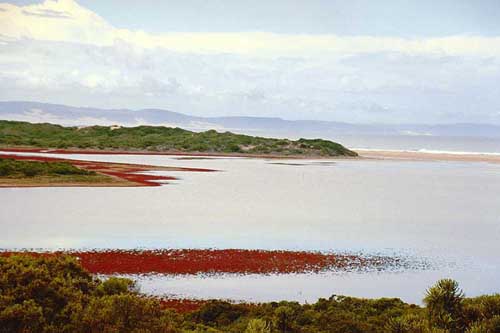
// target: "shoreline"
[[363, 154], [426, 156]]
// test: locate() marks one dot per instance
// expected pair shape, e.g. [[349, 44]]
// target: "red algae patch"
[[182, 305], [186, 305], [128, 173], [197, 261]]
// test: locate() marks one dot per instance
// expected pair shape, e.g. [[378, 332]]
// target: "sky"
[[358, 61]]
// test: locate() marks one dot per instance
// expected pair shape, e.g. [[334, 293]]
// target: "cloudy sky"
[[360, 61]]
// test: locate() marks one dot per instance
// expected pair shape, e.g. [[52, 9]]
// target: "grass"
[[160, 139]]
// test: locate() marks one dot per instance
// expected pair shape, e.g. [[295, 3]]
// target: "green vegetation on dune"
[[56, 295], [20, 169], [159, 138]]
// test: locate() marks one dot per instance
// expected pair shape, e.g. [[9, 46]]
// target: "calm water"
[[445, 213]]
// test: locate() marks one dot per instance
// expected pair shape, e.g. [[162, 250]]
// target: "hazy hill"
[[69, 115]]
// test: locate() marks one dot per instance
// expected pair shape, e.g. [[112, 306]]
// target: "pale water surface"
[[469, 144], [446, 214]]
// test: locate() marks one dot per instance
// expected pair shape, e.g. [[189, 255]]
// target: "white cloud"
[[65, 20], [58, 51]]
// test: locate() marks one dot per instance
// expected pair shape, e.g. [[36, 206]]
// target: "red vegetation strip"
[[183, 305], [121, 170], [195, 261]]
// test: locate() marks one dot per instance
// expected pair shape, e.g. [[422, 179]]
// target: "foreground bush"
[[55, 294]]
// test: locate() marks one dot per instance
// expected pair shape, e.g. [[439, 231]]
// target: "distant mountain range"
[[82, 116]]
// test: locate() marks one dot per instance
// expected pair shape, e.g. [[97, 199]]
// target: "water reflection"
[[447, 211]]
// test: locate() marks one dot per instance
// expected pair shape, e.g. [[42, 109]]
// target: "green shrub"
[[55, 294], [258, 326], [444, 303]]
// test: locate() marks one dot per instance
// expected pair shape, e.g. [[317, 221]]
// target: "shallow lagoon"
[[446, 214]]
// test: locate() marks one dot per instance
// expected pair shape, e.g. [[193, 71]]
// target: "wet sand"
[[427, 156]]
